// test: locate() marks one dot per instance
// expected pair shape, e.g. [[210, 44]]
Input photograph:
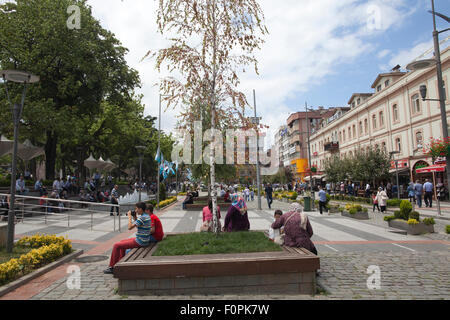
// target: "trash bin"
[[306, 203]]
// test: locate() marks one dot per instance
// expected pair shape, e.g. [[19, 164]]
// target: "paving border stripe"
[[39, 272], [386, 242]]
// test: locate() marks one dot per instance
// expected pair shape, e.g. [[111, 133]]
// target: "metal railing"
[[57, 211]]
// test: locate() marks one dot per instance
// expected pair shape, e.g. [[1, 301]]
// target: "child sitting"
[[276, 234]]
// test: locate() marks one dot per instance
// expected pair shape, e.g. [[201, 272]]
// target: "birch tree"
[[211, 42]]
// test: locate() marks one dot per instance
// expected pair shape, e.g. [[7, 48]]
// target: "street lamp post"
[[26, 79], [256, 120], [424, 64], [309, 158], [392, 153], [140, 150]]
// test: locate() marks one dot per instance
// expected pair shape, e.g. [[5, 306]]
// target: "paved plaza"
[[411, 267]]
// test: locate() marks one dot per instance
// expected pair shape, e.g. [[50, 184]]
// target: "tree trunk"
[[50, 155]]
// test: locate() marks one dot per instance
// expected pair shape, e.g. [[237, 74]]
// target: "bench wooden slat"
[[148, 250], [130, 255]]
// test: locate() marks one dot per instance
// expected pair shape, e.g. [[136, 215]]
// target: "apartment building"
[[392, 117]]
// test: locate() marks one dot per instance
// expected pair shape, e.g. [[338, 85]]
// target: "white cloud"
[[308, 40]]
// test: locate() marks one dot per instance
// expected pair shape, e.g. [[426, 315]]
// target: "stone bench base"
[[284, 283]]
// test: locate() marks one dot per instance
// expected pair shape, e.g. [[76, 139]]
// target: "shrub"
[[429, 221], [162, 192], [352, 210], [395, 202], [414, 215], [447, 229], [389, 218], [341, 209], [405, 209], [413, 222], [397, 214], [293, 196]]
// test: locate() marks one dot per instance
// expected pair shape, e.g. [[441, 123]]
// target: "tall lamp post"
[[256, 120], [424, 64], [25, 78], [392, 153], [140, 150], [309, 158]]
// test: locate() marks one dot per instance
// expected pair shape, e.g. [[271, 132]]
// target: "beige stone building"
[[393, 117]]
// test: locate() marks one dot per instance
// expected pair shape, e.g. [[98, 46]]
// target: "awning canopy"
[[434, 168], [400, 170]]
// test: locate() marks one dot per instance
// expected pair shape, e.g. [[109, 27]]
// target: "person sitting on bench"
[[144, 237], [188, 200]]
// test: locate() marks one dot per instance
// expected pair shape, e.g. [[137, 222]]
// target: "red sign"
[[400, 164], [435, 168]]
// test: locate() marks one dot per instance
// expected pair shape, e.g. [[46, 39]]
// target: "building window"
[[383, 146], [416, 103], [379, 88], [386, 83], [374, 121], [419, 139], [395, 112], [349, 134], [360, 128], [353, 104], [343, 135], [359, 101], [381, 119], [354, 131], [398, 144]]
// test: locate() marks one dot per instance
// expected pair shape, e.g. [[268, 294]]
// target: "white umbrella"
[[90, 163], [27, 151], [6, 146], [110, 165], [101, 164]]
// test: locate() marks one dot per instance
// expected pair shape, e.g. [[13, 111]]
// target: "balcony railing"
[[331, 147]]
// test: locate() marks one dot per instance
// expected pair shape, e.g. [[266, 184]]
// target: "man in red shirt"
[[158, 232]]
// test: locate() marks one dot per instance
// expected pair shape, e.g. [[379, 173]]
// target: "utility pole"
[[437, 55]]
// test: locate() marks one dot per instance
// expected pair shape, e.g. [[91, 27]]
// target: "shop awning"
[[435, 168], [400, 170]]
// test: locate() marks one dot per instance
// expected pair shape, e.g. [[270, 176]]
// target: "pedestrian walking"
[[322, 199], [269, 192], [382, 199], [428, 189], [411, 193], [418, 190], [375, 202], [114, 199], [367, 190]]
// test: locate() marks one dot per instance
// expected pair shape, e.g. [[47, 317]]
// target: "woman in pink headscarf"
[[237, 217]]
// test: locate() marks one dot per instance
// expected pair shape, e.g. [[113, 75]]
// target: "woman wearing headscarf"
[[297, 228], [382, 199], [237, 217]]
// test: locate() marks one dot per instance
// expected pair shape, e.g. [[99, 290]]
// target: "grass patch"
[[17, 252], [209, 243]]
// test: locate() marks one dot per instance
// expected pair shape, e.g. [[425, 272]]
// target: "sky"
[[317, 52]]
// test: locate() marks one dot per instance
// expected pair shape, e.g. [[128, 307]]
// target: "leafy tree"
[[79, 70], [229, 33]]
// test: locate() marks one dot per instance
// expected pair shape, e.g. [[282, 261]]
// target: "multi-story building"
[[282, 141], [297, 155], [394, 117]]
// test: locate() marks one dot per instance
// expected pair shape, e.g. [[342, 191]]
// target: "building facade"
[[393, 118]]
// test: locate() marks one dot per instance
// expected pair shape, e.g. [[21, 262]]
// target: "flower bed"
[[45, 249], [355, 211], [163, 203], [408, 220]]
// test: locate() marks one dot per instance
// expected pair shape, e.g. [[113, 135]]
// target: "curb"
[[39, 272], [392, 211]]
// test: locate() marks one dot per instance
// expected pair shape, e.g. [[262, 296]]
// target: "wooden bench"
[[291, 271]]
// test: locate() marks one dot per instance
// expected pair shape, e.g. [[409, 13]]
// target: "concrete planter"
[[359, 215], [291, 271], [417, 229]]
